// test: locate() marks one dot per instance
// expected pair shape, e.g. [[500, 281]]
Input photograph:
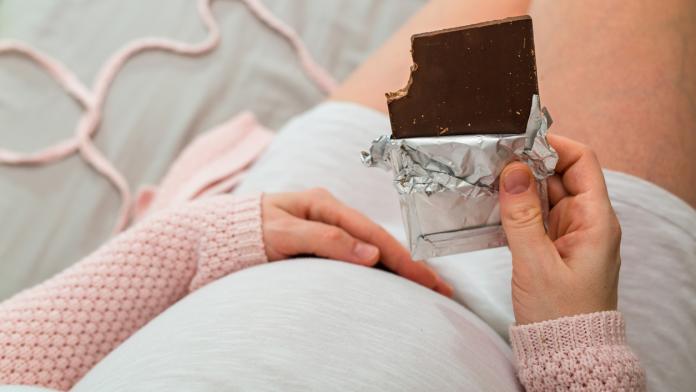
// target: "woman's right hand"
[[574, 267], [314, 222]]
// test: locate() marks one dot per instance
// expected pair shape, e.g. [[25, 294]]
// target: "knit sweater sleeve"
[[584, 352], [53, 333]]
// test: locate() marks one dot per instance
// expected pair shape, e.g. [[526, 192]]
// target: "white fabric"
[[658, 276], [309, 325]]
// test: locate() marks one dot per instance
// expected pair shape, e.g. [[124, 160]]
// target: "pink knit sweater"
[[52, 334]]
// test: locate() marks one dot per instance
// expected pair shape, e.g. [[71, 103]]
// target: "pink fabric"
[[586, 352], [211, 164], [52, 334], [93, 100]]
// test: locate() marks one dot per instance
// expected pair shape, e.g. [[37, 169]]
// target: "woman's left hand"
[[314, 222]]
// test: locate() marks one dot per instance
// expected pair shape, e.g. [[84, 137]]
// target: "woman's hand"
[[574, 267], [314, 222]]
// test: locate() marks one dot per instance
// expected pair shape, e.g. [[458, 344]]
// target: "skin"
[[314, 222], [618, 77]]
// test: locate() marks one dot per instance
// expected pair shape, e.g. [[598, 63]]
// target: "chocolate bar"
[[476, 79]]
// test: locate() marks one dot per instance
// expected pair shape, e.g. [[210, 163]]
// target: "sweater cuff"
[[541, 339], [232, 238]]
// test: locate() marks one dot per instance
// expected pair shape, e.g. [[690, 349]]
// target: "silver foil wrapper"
[[448, 185]]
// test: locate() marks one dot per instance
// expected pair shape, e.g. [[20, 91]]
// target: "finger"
[[393, 255], [295, 203], [522, 218], [556, 216], [319, 205], [443, 287], [578, 166], [329, 242], [569, 151], [557, 190]]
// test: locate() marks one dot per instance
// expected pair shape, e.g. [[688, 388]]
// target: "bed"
[[53, 215]]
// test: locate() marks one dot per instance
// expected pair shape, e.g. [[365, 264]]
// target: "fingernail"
[[365, 251], [516, 181]]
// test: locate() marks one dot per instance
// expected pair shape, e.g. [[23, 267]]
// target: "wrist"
[[231, 237]]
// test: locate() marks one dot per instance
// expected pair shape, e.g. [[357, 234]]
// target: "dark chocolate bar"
[[476, 79]]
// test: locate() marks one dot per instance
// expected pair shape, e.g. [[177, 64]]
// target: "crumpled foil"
[[448, 185]]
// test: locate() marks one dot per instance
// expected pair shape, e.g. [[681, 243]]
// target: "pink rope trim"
[[92, 101], [313, 70]]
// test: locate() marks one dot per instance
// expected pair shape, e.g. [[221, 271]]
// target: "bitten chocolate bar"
[[476, 79], [470, 108]]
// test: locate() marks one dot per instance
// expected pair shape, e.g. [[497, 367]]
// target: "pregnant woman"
[[317, 325], [564, 284]]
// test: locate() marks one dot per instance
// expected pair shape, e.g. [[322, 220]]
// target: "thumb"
[[521, 214]]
